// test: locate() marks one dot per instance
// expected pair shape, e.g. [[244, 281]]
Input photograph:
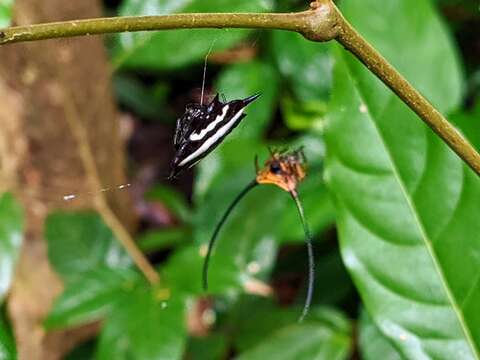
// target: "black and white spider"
[[203, 127]]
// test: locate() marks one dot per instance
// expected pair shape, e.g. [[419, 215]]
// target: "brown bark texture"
[[40, 84]]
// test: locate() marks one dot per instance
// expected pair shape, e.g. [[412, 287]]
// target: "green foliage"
[[372, 342], [405, 208], [405, 202], [325, 335], [313, 81], [81, 242], [143, 326], [242, 80], [172, 49]]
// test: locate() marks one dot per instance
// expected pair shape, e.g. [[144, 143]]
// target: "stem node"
[[321, 21]]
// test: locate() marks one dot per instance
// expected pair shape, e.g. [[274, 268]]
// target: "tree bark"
[[39, 159]]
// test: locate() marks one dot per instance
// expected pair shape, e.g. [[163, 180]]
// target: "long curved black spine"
[[311, 260], [211, 243]]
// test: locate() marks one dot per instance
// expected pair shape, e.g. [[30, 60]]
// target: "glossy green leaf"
[[406, 204], [90, 297], [81, 242], [11, 228], [5, 12], [144, 326], [325, 334], [305, 65], [243, 80], [175, 48], [7, 344], [373, 344]]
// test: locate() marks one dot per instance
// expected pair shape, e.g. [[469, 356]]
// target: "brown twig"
[[100, 202]]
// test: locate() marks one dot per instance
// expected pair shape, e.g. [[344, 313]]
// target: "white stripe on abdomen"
[[212, 140], [211, 126]]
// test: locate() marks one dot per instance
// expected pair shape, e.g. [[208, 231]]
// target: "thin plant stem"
[[211, 243], [311, 260]]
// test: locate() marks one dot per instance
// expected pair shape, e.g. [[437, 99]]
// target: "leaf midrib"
[[417, 220]]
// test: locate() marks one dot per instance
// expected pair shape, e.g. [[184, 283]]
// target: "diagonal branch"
[[323, 22], [100, 202]]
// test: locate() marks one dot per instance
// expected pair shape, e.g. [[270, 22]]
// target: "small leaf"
[[90, 297], [144, 326], [172, 49], [81, 242], [306, 65], [11, 234]]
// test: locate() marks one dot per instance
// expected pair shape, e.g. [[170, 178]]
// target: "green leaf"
[[326, 335], [7, 344], [305, 65], [173, 200], [175, 48], [11, 234], [81, 242], [373, 345], [144, 326], [406, 205], [90, 297], [5, 13], [243, 80]]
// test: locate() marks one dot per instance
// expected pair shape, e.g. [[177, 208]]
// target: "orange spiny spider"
[[284, 169]]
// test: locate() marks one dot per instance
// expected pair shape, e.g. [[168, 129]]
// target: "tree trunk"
[[39, 158]]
